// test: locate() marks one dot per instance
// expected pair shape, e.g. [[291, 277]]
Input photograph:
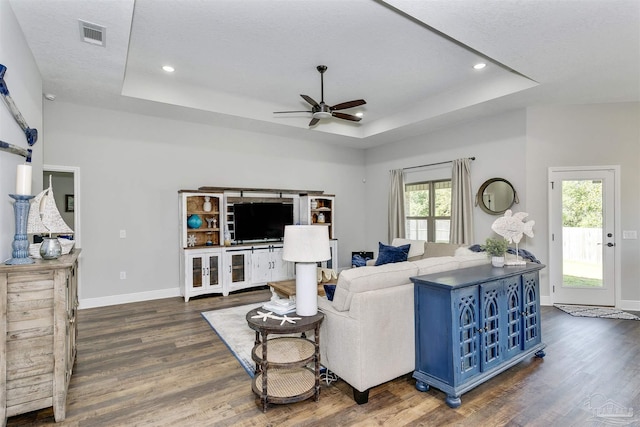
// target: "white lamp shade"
[[306, 243]]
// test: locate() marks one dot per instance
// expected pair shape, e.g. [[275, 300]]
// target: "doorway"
[[66, 189], [583, 225]]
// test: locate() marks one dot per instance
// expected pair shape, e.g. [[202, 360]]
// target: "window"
[[428, 210]]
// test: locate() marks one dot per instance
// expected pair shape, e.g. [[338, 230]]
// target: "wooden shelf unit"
[[318, 210], [191, 203]]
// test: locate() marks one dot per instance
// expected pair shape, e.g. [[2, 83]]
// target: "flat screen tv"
[[261, 221]]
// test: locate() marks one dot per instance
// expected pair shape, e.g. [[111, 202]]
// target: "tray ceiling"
[[236, 62]]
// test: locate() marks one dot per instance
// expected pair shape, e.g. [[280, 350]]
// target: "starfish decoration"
[[263, 316], [269, 315], [287, 319], [191, 240]]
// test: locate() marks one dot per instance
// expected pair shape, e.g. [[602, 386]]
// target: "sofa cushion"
[[370, 278], [415, 251], [436, 265], [439, 249], [390, 254], [472, 260]]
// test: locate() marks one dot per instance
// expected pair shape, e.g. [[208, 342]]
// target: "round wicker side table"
[[287, 368]]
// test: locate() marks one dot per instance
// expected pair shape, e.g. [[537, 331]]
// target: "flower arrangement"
[[495, 247]]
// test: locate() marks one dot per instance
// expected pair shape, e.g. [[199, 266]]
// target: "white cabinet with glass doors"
[[237, 270], [202, 273]]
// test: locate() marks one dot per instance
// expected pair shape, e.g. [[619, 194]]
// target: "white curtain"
[[396, 205], [461, 203]]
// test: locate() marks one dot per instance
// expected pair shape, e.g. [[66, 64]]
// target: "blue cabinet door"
[[514, 306], [466, 336], [492, 324], [531, 310]]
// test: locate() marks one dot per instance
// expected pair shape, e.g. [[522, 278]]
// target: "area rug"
[[594, 311], [231, 326]]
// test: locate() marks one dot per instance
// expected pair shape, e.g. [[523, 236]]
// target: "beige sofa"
[[367, 337]]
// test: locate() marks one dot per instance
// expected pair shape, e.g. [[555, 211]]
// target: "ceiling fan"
[[322, 110]]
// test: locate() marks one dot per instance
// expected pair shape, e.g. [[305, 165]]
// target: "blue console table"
[[472, 324]]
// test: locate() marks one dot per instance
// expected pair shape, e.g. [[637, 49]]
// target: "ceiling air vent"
[[92, 33]]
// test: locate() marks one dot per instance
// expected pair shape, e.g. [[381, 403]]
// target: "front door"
[[583, 229]]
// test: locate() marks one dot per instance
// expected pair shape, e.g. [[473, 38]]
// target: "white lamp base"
[[306, 289]]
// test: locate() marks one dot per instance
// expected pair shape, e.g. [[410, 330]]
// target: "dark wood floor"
[[158, 363]]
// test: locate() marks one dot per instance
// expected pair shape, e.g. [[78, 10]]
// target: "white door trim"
[[617, 234], [77, 200], [77, 203]]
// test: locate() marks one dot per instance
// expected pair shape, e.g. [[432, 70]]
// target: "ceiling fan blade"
[[314, 121], [301, 111], [346, 116], [309, 100], [349, 104]]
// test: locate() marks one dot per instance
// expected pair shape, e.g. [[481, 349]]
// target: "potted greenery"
[[496, 248]]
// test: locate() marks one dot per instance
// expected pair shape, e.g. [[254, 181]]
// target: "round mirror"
[[496, 195]]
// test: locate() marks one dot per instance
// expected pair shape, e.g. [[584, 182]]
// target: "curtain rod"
[[433, 164]]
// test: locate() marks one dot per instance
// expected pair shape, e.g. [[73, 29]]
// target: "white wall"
[[132, 167], [497, 143], [521, 146], [25, 86], [587, 135]]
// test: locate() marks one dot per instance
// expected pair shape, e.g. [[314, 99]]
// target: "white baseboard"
[[127, 298], [630, 305]]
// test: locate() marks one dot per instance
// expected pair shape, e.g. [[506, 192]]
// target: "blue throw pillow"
[[388, 254], [358, 261], [329, 290]]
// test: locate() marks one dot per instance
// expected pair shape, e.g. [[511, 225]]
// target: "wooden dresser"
[[38, 303]]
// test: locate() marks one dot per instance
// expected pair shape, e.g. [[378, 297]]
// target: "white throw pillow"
[[416, 249]]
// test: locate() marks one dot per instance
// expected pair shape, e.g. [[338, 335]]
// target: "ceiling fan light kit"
[[323, 111]]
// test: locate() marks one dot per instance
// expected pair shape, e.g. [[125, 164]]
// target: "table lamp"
[[306, 245]]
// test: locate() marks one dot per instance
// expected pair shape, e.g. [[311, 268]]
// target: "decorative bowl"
[[67, 245]]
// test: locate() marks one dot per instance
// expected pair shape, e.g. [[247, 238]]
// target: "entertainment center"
[[232, 238]]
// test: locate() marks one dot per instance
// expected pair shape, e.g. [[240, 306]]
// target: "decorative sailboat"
[[44, 218]]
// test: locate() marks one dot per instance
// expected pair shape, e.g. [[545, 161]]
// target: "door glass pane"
[[237, 268], [213, 270], [196, 268], [582, 219]]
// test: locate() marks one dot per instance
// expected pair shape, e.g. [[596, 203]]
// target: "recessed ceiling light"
[[360, 114], [49, 96], [479, 66], [168, 68]]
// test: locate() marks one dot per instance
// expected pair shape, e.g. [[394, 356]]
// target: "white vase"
[[206, 206], [497, 261]]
